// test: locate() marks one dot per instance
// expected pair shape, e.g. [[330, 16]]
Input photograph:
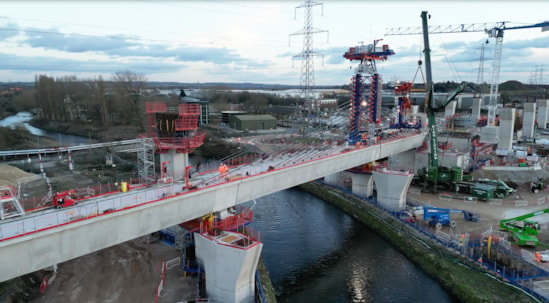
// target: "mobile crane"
[[523, 231], [433, 173]]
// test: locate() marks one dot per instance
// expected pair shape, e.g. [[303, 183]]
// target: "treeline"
[[103, 103]]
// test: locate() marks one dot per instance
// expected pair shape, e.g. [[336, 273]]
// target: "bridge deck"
[[52, 236]]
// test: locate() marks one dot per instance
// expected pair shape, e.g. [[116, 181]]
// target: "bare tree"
[[129, 87], [101, 100]]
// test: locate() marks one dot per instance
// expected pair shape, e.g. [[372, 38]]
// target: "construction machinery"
[[404, 107], [433, 173], [438, 217], [494, 30], [365, 112], [523, 231], [65, 199]]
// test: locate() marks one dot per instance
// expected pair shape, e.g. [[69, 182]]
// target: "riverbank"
[[463, 279]]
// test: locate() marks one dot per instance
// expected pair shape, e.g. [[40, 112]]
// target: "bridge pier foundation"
[[391, 187], [230, 262], [362, 184], [176, 163]]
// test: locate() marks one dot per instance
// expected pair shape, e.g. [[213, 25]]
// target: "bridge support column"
[[391, 187], [230, 262], [529, 120], [542, 113], [505, 129], [333, 179], [176, 163], [450, 109], [362, 184], [477, 103]]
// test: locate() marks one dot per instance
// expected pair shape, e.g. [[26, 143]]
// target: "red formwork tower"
[[174, 128]]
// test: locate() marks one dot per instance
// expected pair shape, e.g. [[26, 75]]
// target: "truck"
[[523, 232], [438, 217]]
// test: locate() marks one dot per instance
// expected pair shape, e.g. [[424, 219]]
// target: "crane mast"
[[432, 170]]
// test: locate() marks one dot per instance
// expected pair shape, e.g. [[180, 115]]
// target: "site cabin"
[[65, 199]]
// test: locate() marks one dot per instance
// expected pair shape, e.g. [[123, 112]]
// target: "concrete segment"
[[528, 120], [505, 129], [52, 246], [391, 187], [362, 184]]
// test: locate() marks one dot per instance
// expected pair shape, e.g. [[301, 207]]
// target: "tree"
[[256, 103], [128, 87]]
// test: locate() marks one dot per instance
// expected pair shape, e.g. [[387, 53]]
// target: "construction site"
[[476, 185]]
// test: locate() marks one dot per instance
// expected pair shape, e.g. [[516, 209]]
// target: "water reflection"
[[316, 253], [21, 119]]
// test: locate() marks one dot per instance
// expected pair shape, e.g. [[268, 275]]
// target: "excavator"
[[523, 232]]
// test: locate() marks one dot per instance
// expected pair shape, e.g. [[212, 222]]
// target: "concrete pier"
[[529, 120], [506, 126], [477, 103], [333, 179], [450, 109], [391, 188], [176, 163], [543, 108], [363, 184], [230, 261]]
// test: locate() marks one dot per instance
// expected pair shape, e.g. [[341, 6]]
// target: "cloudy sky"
[[256, 41]]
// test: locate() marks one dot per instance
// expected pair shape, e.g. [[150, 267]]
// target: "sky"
[[261, 41]]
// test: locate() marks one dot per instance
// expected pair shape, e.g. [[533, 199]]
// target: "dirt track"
[[129, 272]]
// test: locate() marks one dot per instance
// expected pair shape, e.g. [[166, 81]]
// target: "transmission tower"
[[307, 78]]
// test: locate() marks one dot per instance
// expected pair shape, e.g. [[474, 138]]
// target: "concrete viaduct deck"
[[31, 251]]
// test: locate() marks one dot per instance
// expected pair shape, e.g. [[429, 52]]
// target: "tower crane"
[[368, 55], [494, 30]]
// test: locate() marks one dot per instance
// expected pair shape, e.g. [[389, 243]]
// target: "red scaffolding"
[[174, 129]]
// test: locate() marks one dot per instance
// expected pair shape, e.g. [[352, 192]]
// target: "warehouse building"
[[252, 122]]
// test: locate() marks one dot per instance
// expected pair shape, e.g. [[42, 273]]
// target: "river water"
[[21, 119], [316, 253]]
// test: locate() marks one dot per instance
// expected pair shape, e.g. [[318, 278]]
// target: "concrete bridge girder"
[[52, 246]]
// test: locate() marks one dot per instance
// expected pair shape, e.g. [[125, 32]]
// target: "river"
[[21, 119], [317, 253]]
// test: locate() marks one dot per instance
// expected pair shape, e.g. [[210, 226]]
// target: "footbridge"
[[39, 240]]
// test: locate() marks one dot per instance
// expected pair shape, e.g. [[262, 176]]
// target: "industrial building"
[[252, 122]]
